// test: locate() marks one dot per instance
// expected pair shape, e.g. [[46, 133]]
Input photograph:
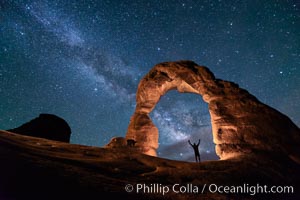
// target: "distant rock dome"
[[46, 126]]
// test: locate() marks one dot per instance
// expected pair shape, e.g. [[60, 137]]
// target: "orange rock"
[[241, 124]]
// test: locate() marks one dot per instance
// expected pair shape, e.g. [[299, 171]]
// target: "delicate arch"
[[240, 123]]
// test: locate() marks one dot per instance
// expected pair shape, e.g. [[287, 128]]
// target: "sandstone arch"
[[240, 123]]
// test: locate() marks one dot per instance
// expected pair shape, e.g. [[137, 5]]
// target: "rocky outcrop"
[[241, 124], [35, 168], [46, 126]]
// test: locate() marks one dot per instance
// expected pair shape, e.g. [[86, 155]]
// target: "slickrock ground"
[[36, 168]]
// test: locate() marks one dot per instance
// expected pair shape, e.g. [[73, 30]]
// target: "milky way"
[[82, 60]]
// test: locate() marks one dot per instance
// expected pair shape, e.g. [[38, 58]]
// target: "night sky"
[[82, 60]]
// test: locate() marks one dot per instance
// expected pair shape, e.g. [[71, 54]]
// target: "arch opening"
[[179, 118], [240, 123]]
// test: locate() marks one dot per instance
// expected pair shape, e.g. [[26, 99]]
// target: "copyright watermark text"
[[158, 188]]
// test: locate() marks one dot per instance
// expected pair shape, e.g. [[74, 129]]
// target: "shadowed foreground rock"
[[36, 168], [241, 124], [46, 126]]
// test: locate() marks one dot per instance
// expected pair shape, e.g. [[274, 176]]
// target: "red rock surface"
[[37, 168], [241, 124]]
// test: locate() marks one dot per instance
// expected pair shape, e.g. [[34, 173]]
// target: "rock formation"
[[241, 124], [260, 145], [46, 126]]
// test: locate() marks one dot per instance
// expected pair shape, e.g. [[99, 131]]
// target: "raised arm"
[[190, 142], [199, 142]]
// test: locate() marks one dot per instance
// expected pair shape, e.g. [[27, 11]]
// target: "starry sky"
[[82, 60]]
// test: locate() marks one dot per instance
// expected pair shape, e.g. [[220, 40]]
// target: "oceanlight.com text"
[[157, 188]]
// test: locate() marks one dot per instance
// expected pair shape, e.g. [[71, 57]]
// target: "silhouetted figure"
[[131, 142], [196, 150]]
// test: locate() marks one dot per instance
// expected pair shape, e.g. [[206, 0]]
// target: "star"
[[84, 61]]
